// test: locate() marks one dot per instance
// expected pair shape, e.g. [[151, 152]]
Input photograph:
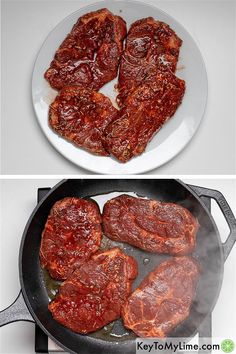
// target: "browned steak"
[[163, 299], [144, 112], [150, 225], [71, 234], [90, 54], [150, 46], [81, 115], [94, 294]]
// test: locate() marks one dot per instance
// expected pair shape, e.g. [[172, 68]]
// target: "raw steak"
[[90, 54], [71, 234], [81, 115], [150, 225], [93, 295], [163, 299], [144, 112], [150, 46]]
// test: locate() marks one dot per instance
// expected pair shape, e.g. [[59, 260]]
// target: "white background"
[[25, 25], [18, 199]]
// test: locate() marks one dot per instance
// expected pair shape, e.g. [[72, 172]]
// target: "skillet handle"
[[227, 212], [17, 311]]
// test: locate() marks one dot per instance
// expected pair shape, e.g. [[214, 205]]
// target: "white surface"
[[26, 24], [18, 199], [174, 135]]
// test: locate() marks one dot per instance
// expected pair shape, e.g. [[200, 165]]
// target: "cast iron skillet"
[[32, 303]]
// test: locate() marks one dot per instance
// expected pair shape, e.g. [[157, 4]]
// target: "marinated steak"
[[150, 225], [149, 92], [81, 115], [71, 234], [90, 54], [150, 46], [163, 299], [93, 295], [144, 112]]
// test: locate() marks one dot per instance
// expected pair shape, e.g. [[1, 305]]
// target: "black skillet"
[[32, 302]]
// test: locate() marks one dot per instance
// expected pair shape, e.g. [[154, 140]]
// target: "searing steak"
[[150, 46], [93, 295], [163, 299], [90, 54], [81, 115], [151, 225], [71, 234], [144, 112]]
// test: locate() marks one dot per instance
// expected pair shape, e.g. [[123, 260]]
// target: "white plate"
[[174, 135]]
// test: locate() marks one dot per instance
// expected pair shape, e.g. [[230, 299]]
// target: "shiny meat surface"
[[81, 115], [93, 295], [150, 225], [150, 46], [90, 54], [71, 234], [149, 92], [144, 112], [163, 299]]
